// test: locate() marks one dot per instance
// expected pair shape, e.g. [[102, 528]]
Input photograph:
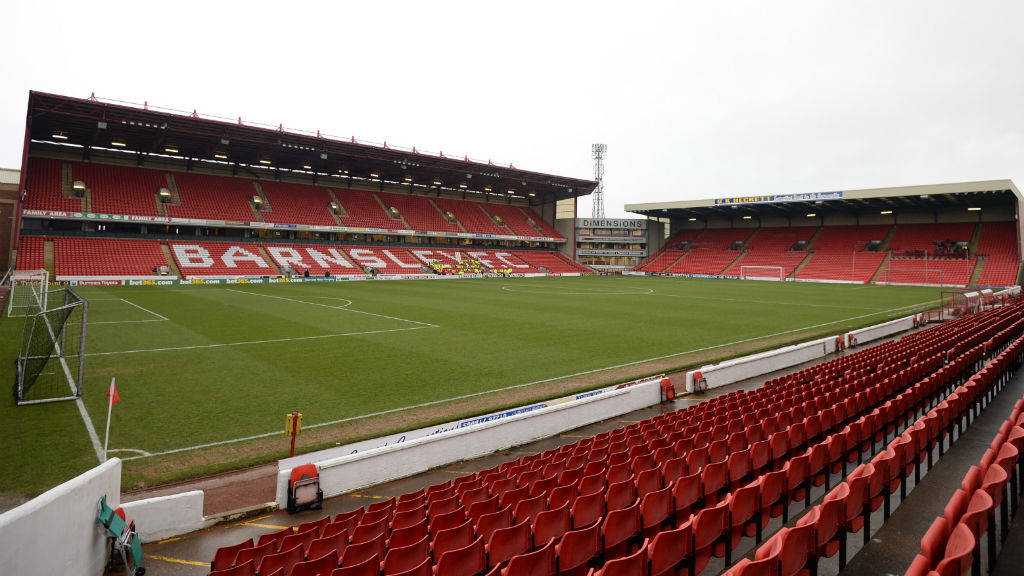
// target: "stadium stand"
[[711, 254], [295, 204], [219, 259], [730, 464], [213, 197], [948, 272], [838, 254], [365, 211], [998, 245], [100, 257], [934, 240], [119, 189], [519, 221], [419, 212], [385, 260], [773, 247], [555, 262], [317, 259], [669, 253], [45, 187], [472, 216], [30, 253]]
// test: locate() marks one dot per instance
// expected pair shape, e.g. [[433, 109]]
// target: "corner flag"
[[112, 393], [113, 398]]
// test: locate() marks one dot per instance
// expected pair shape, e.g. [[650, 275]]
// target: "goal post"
[[918, 276], [52, 350], [777, 273], [28, 292]]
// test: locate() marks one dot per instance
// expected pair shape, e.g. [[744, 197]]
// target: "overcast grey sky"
[[694, 99]]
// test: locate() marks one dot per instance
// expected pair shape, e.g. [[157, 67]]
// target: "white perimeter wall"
[[352, 472], [57, 533]]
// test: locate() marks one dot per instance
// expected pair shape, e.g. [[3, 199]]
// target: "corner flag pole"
[[111, 395]]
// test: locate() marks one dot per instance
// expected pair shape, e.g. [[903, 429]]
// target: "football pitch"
[[206, 374]]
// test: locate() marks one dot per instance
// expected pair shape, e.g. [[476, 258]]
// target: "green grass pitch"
[[198, 365]]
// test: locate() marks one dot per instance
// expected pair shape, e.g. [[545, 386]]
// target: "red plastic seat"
[[403, 558], [587, 509], [957, 558], [527, 509], [445, 521], [745, 567], [303, 539], [933, 543], [317, 524], [246, 569], [488, 523], [408, 535], [537, 563], [452, 538], [254, 553], [671, 550], [282, 560], [225, 555], [357, 553], [552, 524], [711, 535], [335, 542], [745, 512], [656, 512], [275, 537], [620, 530], [688, 494], [324, 564], [465, 561], [367, 567], [412, 516], [577, 549], [505, 543], [633, 565]]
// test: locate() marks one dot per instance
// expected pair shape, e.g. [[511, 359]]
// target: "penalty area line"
[[522, 385], [251, 342], [345, 308]]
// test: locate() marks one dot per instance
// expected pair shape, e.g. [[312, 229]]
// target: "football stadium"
[[238, 350]]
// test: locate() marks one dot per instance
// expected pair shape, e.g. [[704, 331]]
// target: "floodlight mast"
[[600, 151]]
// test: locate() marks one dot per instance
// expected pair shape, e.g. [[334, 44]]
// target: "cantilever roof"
[[934, 196], [91, 123]]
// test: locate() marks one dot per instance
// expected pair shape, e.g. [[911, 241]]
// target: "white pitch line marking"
[[144, 309], [345, 308], [514, 386], [250, 342]]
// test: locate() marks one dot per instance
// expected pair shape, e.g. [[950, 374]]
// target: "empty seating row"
[[743, 456], [115, 189], [953, 542], [132, 258], [847, 508]]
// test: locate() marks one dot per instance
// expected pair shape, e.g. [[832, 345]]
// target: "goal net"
[[762, 273], [918, 276], [51, 351], [28, 292]]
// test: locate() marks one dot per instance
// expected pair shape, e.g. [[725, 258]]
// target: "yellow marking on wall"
[[169, 540]]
